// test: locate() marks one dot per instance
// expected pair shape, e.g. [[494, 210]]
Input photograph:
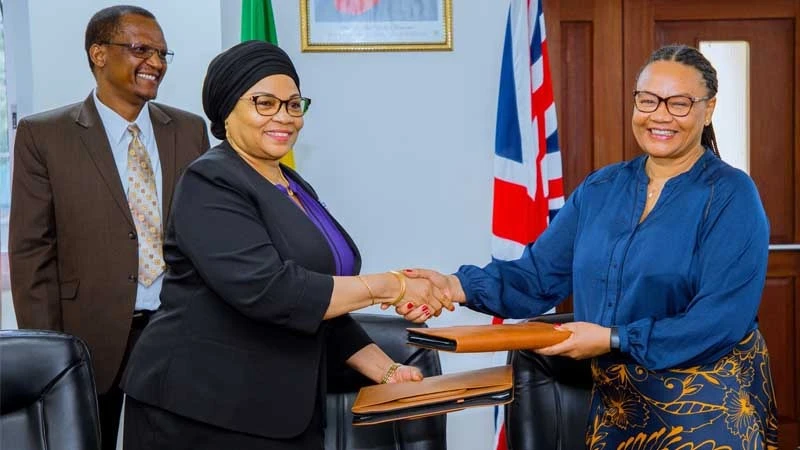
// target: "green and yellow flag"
[[258, 23]]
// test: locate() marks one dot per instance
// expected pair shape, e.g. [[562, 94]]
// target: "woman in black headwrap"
[[261, 278]]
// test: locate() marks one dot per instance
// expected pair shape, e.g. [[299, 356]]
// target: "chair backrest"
[[389, 333], [552, 395], [47, 392]]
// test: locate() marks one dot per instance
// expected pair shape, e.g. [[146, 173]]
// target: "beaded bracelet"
[[390, 372], [402, 280]]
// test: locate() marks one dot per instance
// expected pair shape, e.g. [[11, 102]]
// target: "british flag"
[[528, 188]]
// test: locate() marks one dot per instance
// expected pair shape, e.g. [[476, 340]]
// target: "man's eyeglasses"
[[269, 105], [144, 51], [677, 105]]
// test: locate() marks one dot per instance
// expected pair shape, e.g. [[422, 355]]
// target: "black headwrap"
[[231, 73]]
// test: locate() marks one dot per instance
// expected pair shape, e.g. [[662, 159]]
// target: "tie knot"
[[134, 129]]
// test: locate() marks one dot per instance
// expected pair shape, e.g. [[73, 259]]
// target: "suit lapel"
[[95, 140], [166, 141]]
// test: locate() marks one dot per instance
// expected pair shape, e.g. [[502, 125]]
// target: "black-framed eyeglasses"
[[142, 51], [269, 105], [677, 105]]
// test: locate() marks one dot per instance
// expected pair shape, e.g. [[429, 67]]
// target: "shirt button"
[[132, 278], [132, 235]]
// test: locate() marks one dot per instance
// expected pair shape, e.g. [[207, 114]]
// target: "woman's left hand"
[[588, 340], [405, 373]]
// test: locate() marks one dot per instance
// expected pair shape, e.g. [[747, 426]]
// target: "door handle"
[[784, 247]]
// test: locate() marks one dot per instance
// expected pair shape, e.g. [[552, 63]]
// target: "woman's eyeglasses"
[[677, 105], [269, 105]]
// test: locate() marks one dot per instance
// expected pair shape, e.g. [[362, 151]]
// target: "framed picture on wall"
[[375, 25]]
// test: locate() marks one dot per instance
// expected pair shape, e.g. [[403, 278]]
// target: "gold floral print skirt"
[[726, 405]]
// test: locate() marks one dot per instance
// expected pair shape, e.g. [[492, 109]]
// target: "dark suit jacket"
[[72, 243], [239, 341]]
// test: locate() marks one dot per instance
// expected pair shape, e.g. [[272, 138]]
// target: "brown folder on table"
[[487, 338], [432, 396]]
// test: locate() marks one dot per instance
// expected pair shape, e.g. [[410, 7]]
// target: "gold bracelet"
[[371, 295], [402, 280], [390, 372]]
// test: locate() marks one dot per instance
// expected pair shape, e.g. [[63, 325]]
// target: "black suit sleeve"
[[345, 338], [217, 225], [32, 237]]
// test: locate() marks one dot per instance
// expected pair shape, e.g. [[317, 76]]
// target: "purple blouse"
[[342, 252]]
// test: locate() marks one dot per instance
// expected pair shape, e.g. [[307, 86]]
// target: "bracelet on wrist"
[[614, 340], [372, 297], [390, 372], [402, 279]]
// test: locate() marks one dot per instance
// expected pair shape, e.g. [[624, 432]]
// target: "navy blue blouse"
[[683, 286]]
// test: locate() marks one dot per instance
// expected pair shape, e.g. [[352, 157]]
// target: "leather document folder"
[[433, 395], [487, 338]]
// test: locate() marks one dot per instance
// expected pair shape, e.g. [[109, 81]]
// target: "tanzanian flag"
[[258, 23]]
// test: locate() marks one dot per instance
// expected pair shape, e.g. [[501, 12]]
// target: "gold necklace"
[[289, 189], [653, 191], [263, 173], [657, 186]]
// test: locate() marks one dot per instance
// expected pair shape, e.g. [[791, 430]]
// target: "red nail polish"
[[407, 270], [424, 308], [409, 305], [556, 325]]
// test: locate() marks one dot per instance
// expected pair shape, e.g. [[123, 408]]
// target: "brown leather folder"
[[487, 338], [433, 395]]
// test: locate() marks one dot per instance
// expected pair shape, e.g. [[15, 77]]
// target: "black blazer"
[[239, 341]]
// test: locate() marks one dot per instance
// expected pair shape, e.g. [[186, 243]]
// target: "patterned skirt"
[[727, 405]]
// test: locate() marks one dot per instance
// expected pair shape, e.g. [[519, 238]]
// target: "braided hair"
[[692, 57]]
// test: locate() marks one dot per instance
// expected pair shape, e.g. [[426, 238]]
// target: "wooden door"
[[584, 39], [771, 31]]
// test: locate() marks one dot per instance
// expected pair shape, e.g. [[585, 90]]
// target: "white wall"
[[398, 145], [61, 72]]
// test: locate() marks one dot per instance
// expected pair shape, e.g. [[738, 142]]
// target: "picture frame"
[[375, 25]]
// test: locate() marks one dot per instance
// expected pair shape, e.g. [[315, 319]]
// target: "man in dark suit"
[[81, 262]]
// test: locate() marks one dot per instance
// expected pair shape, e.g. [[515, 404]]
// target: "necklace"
[[278, 184], [654, 189], [289, 189], [261, 169], [655, 184]]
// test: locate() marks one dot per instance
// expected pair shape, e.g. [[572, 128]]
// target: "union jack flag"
[[528, 188]]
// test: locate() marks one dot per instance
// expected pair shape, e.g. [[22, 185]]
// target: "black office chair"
[[47, 392], [552, 396], [429, 433]]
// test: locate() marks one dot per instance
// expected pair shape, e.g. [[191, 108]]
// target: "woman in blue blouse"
[[666, 258]]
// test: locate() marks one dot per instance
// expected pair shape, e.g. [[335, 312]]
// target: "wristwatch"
[[614, 340]]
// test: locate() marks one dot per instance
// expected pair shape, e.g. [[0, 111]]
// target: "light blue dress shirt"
[[119, 138], [683, 286]]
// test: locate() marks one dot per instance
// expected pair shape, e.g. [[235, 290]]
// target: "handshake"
[[417, 294]]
